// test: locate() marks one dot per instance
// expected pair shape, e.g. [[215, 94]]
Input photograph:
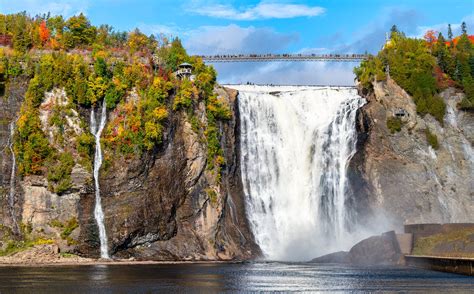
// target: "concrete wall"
[[464, 266]]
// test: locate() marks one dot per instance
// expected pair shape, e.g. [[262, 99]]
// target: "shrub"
[[69, 227], [432, 139], [394, 124], [59, 174]]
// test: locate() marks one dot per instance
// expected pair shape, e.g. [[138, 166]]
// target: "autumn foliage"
[[430, 38], [44, 32]]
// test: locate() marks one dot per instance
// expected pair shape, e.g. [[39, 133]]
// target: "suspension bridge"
[[283, 57]]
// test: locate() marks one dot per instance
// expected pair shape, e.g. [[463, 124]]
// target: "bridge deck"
[[283, 57]]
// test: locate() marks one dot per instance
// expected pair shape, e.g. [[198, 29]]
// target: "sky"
[[269, 26]]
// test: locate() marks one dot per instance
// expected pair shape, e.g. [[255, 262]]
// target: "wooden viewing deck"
[[284, 57]]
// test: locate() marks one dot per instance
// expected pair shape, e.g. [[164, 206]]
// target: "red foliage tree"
[[44, 32]]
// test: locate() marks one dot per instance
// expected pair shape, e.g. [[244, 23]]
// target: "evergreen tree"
[[450, 32], [464, 28], [21, 36], [79, 31], [441, 53]]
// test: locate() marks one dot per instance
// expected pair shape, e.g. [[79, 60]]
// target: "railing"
[[184, 71], [283, 57]]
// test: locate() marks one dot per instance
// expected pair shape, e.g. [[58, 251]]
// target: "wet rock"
[[377, 250]]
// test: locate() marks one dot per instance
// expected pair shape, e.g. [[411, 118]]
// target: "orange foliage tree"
[[44, 32], [430, 37]]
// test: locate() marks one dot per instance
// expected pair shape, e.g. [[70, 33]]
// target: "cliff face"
[[9, 106], [164, 204], [401, 175]]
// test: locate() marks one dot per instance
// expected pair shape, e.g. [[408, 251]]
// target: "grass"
[[18, 246], [432, 139], [212, 195]]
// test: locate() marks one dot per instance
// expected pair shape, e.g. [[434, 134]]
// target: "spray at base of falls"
[[98, 212], [11, 197], [296, 143]]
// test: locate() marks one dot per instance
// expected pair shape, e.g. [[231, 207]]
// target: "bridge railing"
[[282, 57]]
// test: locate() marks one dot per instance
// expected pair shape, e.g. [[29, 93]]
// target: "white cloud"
[[235, 39], [158, 29], [66, 8], [443, 27], [263, 10]]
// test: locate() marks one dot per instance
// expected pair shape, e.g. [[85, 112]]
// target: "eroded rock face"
[[400, 175], [10, 104], [166, 205]]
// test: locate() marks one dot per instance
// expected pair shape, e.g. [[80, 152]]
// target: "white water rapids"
[[98, 212], [296, 143]]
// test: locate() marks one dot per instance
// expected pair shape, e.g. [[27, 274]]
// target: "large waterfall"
[[295, 146], [98, 212], [11, 197]]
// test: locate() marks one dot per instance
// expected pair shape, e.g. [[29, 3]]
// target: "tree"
[[21, 37], [137, 41], [43, 32], [441, 53], [450, 32], [464, 28], [79, 31], [430, 38], [394, 29]]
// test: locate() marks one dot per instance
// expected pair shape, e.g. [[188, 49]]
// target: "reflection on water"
[[213, 278]]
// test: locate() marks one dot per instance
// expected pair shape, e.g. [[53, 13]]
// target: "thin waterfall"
[[296, 143], [98, 212], [11, 197]]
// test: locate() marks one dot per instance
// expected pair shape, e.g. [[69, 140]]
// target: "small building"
[[185, 71]]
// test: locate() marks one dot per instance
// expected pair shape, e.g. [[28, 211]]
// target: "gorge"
[[294, 182]]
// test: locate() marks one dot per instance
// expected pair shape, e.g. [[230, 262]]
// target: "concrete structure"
[[464, 266], [405, 242], [441, 257]]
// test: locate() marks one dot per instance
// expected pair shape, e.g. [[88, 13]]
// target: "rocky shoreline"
[[48, 255]]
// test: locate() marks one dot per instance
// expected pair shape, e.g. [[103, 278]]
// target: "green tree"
[[79, 32], [21, 36], [464, 28]]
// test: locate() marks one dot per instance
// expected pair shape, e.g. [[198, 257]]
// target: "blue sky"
[[215, 26]]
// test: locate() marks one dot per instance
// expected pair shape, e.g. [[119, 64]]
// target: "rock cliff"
[[165, 204], [400, 174]]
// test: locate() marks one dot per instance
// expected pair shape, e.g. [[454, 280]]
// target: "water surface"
[[214, 278]]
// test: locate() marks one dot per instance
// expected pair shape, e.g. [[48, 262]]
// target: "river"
[[218, 278]]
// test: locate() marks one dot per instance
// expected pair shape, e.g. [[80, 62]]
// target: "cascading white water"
[[98, 212], [296, 143], [11, 197]]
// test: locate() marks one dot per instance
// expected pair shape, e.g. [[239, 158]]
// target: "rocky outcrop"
[[376, 250], [166, 205], [400, 175]]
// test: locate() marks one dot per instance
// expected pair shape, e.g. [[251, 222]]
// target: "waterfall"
[[98, 212], [296, 143], [11, 198]]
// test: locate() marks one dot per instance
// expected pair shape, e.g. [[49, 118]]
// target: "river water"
[[218, 278]]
